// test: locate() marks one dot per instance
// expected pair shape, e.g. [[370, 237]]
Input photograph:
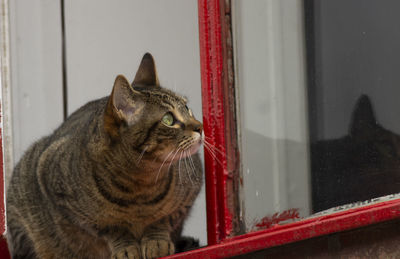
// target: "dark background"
[[353, 48]]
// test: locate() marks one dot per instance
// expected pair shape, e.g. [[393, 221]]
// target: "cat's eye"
[[168, 119]]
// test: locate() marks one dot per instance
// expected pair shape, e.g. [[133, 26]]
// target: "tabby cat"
[[362, 165], [115, 180]]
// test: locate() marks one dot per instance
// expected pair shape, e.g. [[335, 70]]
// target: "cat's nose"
[[198, 128]]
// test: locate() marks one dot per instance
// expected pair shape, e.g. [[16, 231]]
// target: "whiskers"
[[165, 160], [187, 157], [214, 151], [186, 162], [141, 155]]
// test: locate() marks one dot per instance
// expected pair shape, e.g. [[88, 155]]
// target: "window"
[[310, 109], [299, 108]]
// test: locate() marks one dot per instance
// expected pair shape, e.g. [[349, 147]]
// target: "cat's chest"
[[144, 205], [148, 204], [163, 202]]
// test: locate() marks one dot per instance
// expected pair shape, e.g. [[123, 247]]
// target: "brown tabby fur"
[[112, 181]]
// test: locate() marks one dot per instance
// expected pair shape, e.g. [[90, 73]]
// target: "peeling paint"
[[278, 218]]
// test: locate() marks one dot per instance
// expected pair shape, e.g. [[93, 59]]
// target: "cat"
[[362, 165], [115, 180]]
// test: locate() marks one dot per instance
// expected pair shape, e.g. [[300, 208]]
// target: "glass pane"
[[318, 105], [272, 90], [353, 98]]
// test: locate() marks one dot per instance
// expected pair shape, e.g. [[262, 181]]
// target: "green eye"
[[168, 119]]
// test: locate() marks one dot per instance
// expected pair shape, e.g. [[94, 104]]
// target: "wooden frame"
[[309, 228], [219, 120], [4, 98], [216, 118]]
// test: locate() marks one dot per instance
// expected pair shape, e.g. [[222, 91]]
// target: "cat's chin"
[[193, 149]]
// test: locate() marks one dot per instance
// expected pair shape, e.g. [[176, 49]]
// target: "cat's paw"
[[129, 252], [154, 248]]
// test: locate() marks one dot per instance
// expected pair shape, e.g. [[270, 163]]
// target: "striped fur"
[[113, 181]]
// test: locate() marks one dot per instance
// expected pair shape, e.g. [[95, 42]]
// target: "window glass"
[[318, 105], [271, 83]]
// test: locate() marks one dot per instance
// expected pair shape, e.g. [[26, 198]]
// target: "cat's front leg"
[[123, 246], [131, 251], [157, 242], [156, 247]]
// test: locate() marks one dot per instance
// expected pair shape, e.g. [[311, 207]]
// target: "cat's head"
[[377, 142], [147, 119]]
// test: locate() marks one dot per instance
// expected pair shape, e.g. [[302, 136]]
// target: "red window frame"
[[217, 120], [3, 243]]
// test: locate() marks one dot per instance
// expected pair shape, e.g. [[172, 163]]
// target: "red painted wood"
[[277, 218], [3, 242], [219, 218], [4, 254], [314, 227], [2, 194]]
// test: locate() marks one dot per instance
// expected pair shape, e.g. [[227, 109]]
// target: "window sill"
[[297, 231]]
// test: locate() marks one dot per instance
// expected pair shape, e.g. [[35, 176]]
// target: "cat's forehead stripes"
[[165, 97]]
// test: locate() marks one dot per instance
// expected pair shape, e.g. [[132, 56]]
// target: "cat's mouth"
[[190, 148], [195, 145], [193, 149]]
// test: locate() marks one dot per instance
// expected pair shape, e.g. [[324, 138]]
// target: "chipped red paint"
[[278, 217], [219, 217]]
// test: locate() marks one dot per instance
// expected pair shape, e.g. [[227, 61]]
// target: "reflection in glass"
[[353, 95], [359, 166], [318, 105], [270, 56]]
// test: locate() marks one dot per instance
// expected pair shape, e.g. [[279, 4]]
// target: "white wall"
[[106, 38], [103, 39], [36, 75]]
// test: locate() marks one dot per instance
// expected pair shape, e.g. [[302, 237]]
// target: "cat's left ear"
[[147, 73], [124, 106], [363, 120]]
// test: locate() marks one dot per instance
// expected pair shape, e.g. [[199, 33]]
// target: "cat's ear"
[[363, 120], [147, 73], [124, 106]]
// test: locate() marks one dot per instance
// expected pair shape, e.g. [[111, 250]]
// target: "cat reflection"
[[362, 165]]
